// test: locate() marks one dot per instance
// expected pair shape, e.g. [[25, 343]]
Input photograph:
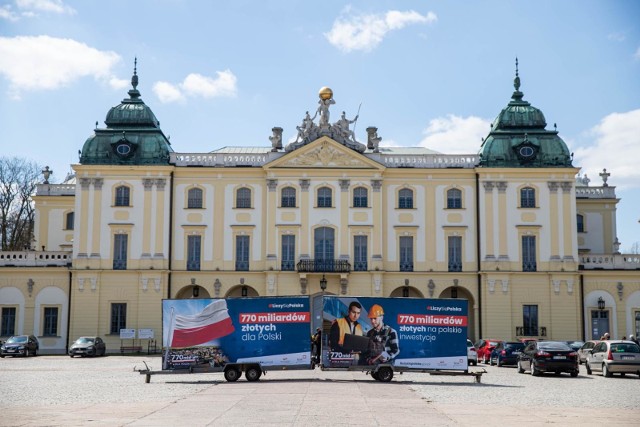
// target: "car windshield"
[[553, 346], [515, 346], [625, 348], [84, 340], [16, 340]]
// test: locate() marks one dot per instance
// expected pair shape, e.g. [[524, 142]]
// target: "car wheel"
[[574, 374], [520, 370], [605, 371], [534, 371], [474, 363], [586, 364]]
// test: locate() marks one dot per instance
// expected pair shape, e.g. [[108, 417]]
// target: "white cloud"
[[52, 6], [197, 85], [117, 83], [166, 92], [456, 135], [366, 32], [616, 145], [45, 63], [7, 13]]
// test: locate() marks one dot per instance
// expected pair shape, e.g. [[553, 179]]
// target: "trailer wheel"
[[232, 374], [253, 373], [385, 374], [374, 375]]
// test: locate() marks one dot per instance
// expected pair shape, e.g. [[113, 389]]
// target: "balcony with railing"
[[35, 258], [324, 266], [610, 262]]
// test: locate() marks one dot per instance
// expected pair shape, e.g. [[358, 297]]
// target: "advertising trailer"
[[377, 335], [236, 334], [399, 333]]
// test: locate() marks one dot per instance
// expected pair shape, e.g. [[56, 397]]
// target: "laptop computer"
[[355, 343]]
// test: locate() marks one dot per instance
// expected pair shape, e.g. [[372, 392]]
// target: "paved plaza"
[[59, 391]]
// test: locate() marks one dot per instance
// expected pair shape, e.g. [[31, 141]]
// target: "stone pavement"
[[301, 398]]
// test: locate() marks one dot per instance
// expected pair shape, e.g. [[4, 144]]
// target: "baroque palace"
[[514, 229]]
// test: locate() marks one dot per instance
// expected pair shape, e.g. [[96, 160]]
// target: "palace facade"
[[514, 229]]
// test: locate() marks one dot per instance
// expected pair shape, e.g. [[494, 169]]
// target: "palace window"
[[50, 327], [530, 320], [69, 220], [242, 253], [118, 317], [194, 247], [360, 197], [455, 253], [580, 222], [529, 253], [120, 242], [288, 197], [360, 253], [527, 197], [324, 197], [454, 199], [405, 199], [243, 198], [288, 252], [406, 253], [8, 326], [122, 196], [194, 198]]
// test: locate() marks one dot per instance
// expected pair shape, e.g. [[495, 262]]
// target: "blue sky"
[[427, 73]]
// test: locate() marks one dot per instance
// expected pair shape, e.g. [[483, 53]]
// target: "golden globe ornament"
[[325, 93]]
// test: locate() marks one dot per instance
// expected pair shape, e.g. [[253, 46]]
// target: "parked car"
[[506, 353], [88, 346], [614, 357], [472, 353], [20, 345], [583, 352], [576, 345], [484, 348], [539, 357]]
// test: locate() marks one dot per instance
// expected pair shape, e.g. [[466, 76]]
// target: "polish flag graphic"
[[211, 323]]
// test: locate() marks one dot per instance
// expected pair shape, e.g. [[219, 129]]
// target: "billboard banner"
[[272, 331], [404, 332]]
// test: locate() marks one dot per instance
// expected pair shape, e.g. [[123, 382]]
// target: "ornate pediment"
[[325, 153]]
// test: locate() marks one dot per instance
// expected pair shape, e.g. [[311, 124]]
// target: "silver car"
[[472, 353], [614, 357], [584, 351]]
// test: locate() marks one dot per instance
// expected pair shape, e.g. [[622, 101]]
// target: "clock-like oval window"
[[526, 151], [123, 149]]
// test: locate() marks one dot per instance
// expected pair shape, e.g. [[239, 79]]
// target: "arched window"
[[324, 197], [454, 199], [243, 198], [405, 199], [360, 197], [69, 221], [288, 197], [194, 198], [122, 196], [527, 197]]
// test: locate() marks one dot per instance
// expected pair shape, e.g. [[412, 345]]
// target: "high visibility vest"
[[343, 324]]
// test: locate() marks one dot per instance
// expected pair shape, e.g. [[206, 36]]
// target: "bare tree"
[[635, 248], [18, 179]]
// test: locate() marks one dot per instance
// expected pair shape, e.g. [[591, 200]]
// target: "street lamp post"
[[323, 283]]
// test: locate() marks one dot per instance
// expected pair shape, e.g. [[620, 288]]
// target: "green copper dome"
[[132, 136], [518, 138]]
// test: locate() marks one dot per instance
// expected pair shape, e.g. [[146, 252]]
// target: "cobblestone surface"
[[58, 390]]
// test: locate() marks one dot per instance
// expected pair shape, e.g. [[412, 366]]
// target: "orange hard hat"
[[375, 311]]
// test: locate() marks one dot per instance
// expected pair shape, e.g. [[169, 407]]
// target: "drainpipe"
[[478, 265], [170, 254], [66, 346], [584, 331]]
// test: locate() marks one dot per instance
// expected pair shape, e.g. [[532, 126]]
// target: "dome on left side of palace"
[[132, 136]]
